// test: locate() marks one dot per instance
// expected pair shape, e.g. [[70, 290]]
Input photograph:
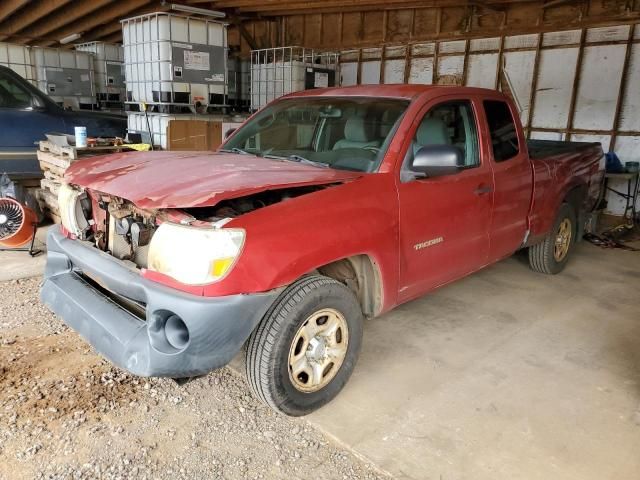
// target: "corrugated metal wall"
[[581, 85]]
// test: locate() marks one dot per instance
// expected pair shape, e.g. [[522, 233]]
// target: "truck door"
[[513, 178], [444, 221]]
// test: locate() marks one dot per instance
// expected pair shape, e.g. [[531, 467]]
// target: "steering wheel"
[[372, 149]]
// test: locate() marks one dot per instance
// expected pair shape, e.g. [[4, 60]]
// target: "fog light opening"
[[168, 333], [176, 332]]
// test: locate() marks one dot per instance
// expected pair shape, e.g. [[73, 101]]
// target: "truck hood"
[[193, 179]]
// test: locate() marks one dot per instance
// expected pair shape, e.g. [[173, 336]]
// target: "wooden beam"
[[363, 4], [624, 85], [234, 20], [115, 37], [105, 15], [28, 16], [62, 17], [10, 7], [576, 84], [534, 85], [298, 6]]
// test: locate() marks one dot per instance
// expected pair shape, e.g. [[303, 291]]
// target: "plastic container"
[[175, 60], [65, 75], [632, 167], [81, 136], [108, 65]]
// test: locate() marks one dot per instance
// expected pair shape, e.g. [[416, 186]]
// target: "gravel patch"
[[65, 413]]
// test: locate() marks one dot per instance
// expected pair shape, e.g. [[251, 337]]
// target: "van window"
[[502, 128]]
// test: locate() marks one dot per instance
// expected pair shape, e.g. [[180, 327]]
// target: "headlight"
[[194, 256], [71, 214]]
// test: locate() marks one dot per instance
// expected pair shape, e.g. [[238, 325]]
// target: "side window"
[[502, 128], [451, 123], [13, 95]]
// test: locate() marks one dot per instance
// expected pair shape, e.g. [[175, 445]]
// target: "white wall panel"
[[547, 135], [519, 67], [349, 73], [394, 71], [561, 38], [628, 148], [423, 49], [370, 73], [555, 83], [457, 46], [630, 118], [483, 44], [421, 71], [482, 69], [521, 41], [608, 34], [605, 140], [599, 87], [453, 65]]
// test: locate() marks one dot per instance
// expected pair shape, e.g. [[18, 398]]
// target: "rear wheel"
[[551, 255], [303, 352]]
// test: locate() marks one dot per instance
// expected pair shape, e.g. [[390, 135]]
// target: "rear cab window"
[[502, 129]]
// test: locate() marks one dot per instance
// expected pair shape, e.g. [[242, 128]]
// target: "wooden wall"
[[338, 30]]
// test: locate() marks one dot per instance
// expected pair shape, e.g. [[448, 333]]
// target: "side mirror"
[[437, 160], [229, 132]]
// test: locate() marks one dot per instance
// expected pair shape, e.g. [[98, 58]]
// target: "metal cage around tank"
[[175, 61], [278, 71], [18, 59], [67, 76]]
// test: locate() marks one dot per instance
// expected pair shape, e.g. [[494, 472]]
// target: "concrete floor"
[[507, 374], [15, 264]]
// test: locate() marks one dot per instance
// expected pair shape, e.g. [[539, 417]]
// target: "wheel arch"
[[361, 274], [576, 197]]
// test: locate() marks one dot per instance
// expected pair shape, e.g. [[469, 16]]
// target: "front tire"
[[305, 348], [551, 255]]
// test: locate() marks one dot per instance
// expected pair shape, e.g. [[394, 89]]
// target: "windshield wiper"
[[237, 150], [299, 159]]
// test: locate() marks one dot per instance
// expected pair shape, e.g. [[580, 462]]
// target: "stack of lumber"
[[54, 160]]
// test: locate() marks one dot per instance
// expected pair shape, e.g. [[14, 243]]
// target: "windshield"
[[350, 133]]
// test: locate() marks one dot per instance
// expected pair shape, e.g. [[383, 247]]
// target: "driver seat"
[[357, 134], [432, 131]]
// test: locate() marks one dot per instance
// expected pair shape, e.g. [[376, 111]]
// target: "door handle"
[[483, 190]]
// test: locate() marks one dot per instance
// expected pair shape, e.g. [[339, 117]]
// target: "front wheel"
[[551, 255], [303, 351]]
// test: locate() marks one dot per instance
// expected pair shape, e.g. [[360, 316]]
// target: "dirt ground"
[[65, 413]]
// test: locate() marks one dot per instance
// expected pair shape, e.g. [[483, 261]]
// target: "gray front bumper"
[[218, 326]]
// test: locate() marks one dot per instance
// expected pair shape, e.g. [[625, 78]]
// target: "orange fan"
[[16, 223]]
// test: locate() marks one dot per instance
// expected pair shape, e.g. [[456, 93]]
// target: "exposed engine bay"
[[239, 206], [117, 226]]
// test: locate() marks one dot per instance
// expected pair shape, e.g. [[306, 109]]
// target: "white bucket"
[[81, 136]]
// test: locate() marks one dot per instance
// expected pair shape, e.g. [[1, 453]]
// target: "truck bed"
[[539, 149]]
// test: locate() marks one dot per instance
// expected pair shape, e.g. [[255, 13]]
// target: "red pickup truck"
[[325, 208]]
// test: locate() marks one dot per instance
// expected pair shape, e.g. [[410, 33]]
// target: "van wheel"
[[551, 255], [303, 351]]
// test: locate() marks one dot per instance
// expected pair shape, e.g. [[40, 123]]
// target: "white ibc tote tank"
[[108, 71], [65, 75], [175, 60], [18, 59]]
